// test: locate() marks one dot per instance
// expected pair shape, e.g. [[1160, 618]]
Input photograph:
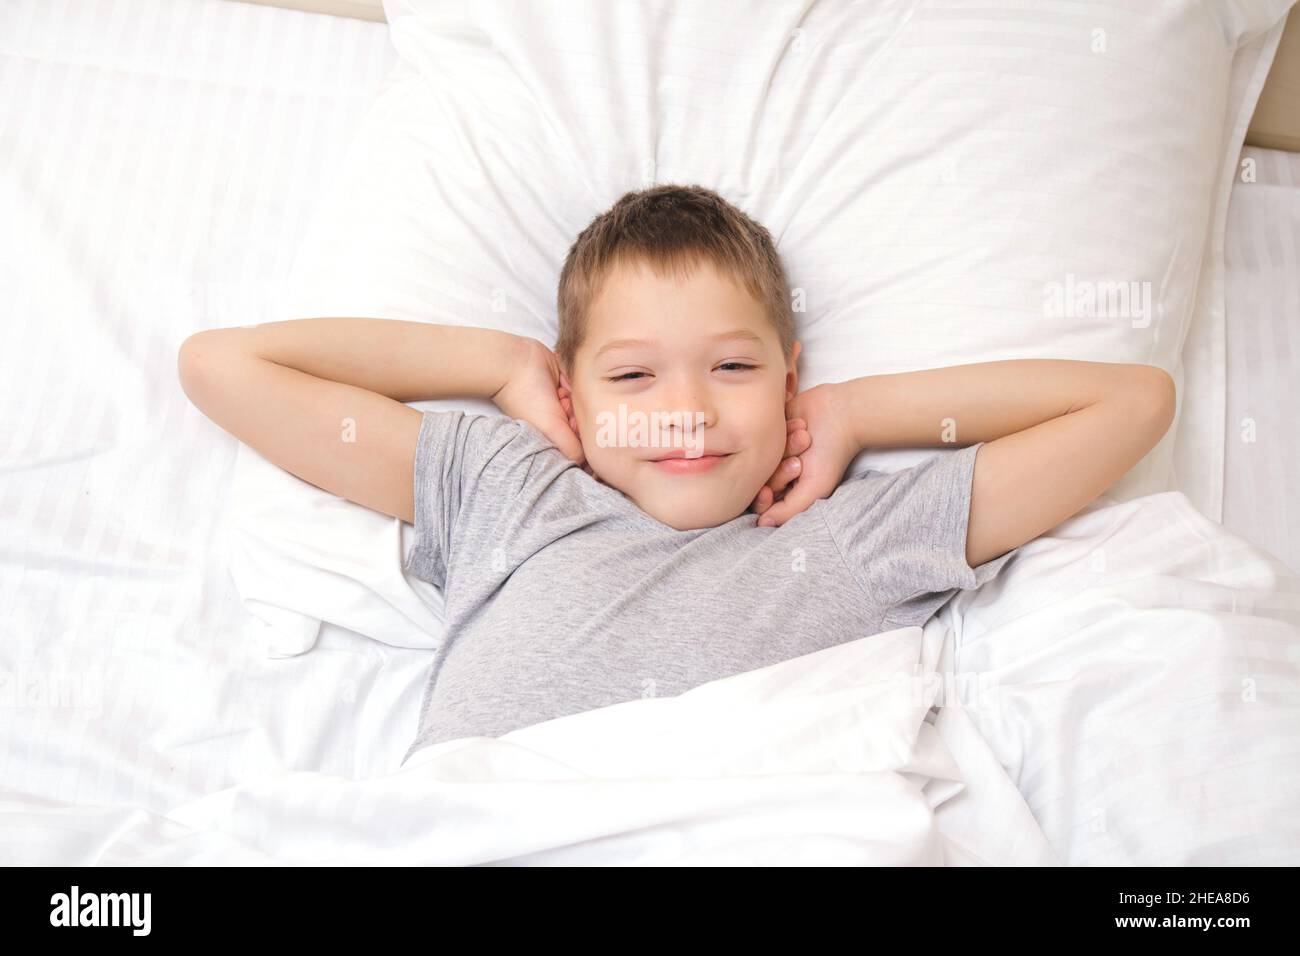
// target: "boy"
[[586, 561]]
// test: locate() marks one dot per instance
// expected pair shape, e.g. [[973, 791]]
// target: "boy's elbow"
[[196, 362], [190, 360], [1159, 397]]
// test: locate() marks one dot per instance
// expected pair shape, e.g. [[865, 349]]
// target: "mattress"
[[157, 173], [1262, 306]]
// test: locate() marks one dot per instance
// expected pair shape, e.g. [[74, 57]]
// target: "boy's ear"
[[792, 371]]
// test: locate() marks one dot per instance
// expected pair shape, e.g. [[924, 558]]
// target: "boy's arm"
[[323, 398], [1058, 434]]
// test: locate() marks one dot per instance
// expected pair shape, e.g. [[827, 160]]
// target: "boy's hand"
[[533, 393], [797, 441], [823, 455]]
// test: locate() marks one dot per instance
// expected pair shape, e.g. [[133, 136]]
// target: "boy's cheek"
[[773, 452]]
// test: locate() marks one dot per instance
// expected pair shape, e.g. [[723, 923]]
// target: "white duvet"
[[1126, 692]]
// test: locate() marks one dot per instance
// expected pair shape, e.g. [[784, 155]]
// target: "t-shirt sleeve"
[[469, 467], [904, 535]]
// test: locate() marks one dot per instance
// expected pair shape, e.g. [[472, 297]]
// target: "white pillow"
[[935, 177]]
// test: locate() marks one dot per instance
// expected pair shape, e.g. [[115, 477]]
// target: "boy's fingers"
[[785, 509], [797, 442], [569, 443], [785, 473]]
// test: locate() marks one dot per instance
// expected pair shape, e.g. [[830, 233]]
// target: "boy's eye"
[[627, 376]]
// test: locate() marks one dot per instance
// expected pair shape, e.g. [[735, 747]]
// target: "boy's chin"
[[694, 519]]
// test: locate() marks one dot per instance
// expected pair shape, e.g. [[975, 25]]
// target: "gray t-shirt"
[[562, 595]]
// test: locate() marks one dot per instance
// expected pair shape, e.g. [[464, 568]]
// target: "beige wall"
[[361, 9], [1276, 123]]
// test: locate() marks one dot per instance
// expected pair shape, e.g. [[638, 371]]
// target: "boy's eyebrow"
[[741, 334]]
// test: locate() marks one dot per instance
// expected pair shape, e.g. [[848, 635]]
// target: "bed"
[[1127, 692]]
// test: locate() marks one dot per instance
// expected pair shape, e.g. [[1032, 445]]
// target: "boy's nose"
[[689, 421], [692, 402]]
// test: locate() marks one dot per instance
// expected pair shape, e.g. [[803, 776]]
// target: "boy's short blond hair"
[[671, 227]]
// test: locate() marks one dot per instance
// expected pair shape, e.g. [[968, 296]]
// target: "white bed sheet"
[[1262, 301], [156, 172], [159, 163]]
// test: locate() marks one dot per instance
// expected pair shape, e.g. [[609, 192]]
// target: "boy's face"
[[704, 350]]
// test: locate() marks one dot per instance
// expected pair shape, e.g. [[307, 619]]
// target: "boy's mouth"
[[677, 463]]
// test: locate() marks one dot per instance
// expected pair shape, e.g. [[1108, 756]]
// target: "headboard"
[[1275, 125]]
